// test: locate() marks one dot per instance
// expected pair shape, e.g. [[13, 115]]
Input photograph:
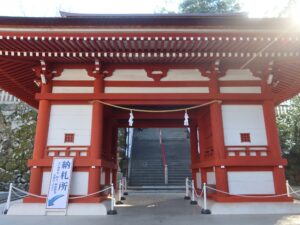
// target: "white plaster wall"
[[198, 141], [74, 74], [184, 75], [129, 75], [236, 74], [79, 183], [245, 90], [211, 177], [156, 90], [75, 119], [198, 179], [45, 183], [102, 177], [256, 182], [65, 89], [244, 119]]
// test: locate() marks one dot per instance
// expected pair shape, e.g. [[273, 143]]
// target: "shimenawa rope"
[[156, 111]]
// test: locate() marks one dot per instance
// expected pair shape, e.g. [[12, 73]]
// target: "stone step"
[[147, 165]]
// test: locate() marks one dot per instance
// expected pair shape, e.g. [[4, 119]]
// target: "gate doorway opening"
[[159, 150], [159, 158]]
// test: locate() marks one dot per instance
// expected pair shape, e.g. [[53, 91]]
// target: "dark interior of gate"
[[161, 149], [160, 158]]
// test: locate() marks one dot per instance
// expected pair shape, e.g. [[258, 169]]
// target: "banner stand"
[[59, 187]]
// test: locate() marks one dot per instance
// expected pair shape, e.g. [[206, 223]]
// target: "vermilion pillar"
[[279, 180], [109, 146], [274, 145], [218, 145], [202, 138], [96, 139], [271, 129], [40, 141], [217, 130], [194, 148], [114, 153]]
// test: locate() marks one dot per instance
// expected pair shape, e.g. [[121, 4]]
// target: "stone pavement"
[[167, 208]]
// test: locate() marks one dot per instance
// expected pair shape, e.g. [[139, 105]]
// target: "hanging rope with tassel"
[[156, 111], [131, 117]]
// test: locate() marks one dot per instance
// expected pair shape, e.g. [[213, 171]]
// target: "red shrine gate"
[[255, 121], [72, 68]]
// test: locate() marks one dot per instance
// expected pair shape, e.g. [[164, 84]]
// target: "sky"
[[50, 8]]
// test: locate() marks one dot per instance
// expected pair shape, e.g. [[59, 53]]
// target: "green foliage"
[[16, 145], [209, 6], [289, 133]]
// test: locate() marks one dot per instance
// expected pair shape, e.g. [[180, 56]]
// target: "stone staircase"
[[146, 163]]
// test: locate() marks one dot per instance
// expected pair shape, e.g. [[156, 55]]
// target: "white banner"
[[60, 182]]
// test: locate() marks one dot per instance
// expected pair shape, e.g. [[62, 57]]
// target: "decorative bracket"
[[98, 70], [266, 72], [156, 74], [216, 67], [45, 72]]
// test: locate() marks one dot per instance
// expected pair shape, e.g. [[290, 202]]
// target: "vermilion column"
[[194, 148], [218, 145], [40, 141], [274, 145], [201, 138], [217, 130], [271, 129], [114, 154], [41, 135], [109, 150], [201, 143], [96, 139], [279, 180]]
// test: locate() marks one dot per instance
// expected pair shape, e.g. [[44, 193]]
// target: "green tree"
[[289, 133], [209, 6], [16, 145]]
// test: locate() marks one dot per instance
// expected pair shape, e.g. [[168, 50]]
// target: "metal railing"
[[22, 194], [201, 199]]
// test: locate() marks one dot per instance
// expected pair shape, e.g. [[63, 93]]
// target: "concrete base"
[[78, 209], [252, 207]]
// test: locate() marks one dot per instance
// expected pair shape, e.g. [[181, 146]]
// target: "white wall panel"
[[198, 180], [75, 119], [156, 90], [184, 75], [258, 182], [211, 177], [79, 183], [67, 89], [129, 75], [74, 74], [244, 119], [45, 183], [102, 177], [245, 90], [236, 74], [110, 176]]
